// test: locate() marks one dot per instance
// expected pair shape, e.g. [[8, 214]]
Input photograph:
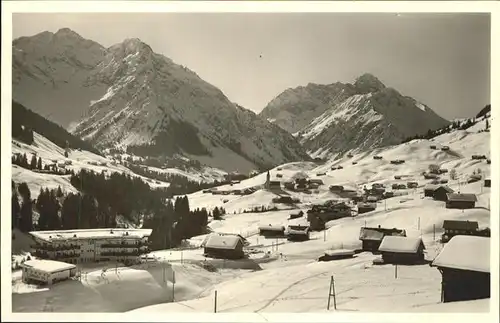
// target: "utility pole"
[[215, 302], [331, 293]]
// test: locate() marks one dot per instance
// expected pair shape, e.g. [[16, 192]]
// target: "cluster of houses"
[[244, 191], [453, 200]]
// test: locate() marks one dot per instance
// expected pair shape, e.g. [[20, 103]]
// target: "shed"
[[336, 254], [46, 271], [464, 264], [460, 201], [372, 237], [402, 250], [441, 193], [336, 188], [366, 207], [429, 190], [224, 246], [487, 182], [456, 227], [412, 184], [270, 231], [298, 233]]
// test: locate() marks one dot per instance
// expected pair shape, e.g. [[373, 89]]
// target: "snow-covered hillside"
[[81, 159], [284, 276], [132, 96], [337, 118]]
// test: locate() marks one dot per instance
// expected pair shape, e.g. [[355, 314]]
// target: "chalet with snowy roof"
[[456, 227], [366, 207], [412, 184], [46, 272], [371, 238], [235, 176], [91, 245], [298, 233], [441, 193], [223, 246], [460, 201], [336, 254], [464, 264], [316, 223], [377, 157], [402, 250], [445, 148], [272, 231], [289, 185], [336, 188]]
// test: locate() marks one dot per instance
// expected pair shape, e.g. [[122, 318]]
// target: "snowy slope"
[[295, 281], [50, 153]]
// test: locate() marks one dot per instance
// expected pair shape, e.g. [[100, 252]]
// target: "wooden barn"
[[412, 184], [429, 190], [460, 201], [336, 255], [272, 231], [224, 246], [371, 238], [456, 227], [316, 181], [441, 193], [298, 233], [296, 215], [402, 250], [316, 223], [464, 264], [366, 207], [336, 188]]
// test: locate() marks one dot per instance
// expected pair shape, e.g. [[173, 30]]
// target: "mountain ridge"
[[340, 117], [130, 94]]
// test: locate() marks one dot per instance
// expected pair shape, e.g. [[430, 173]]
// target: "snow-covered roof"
[[339, 252], [221, 241], [48, 266], [272, 227], [370, 234], [454, 197], [110, 233], [400, 244], [430, 187], [466, 253]]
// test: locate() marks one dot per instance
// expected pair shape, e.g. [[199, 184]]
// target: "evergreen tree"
[[70, 211], [16, 208], [33, 163], [26, 212], [42, 205], [39, 164], [216, 214], [59, 192]]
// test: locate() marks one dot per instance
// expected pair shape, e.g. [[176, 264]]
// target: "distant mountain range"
[[128, 97], [340, 117]]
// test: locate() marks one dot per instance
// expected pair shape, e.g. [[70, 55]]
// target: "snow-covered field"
[[283, 276]]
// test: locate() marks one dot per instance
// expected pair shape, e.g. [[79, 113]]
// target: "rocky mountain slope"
[[336, 118], [134, 99]]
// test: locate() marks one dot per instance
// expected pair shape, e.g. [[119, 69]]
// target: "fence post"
[[215, 302], [396, 271], [173, 286], [434, 232]]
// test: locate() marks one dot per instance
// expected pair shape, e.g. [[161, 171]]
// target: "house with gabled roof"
[[460, 201], [371, 238], [224, 246], [402, 250], [464, 264], [456, 227]]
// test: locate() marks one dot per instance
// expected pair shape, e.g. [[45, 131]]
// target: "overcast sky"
[[441, 60]]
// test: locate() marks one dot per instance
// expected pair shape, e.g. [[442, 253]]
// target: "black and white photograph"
[[259, 162]]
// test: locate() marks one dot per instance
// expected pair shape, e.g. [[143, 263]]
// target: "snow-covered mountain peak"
[[368, 83]]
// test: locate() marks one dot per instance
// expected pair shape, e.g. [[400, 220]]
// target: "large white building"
[[91, 245], [46, 271]]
